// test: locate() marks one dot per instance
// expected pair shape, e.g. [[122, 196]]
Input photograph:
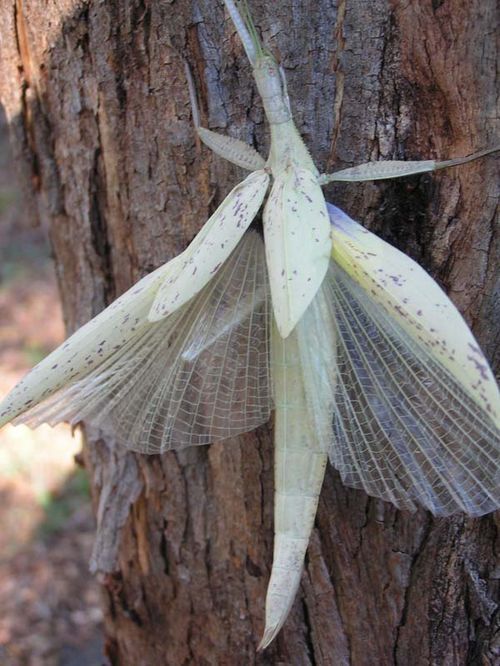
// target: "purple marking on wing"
[[342, 221]]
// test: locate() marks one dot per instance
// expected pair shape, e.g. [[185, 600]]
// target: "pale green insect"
[[364, 359]]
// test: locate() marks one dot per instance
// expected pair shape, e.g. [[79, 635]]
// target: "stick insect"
[[363, 358]]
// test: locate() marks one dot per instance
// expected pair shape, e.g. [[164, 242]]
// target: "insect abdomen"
[[300, 462]]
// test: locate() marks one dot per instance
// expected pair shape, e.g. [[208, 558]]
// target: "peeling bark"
[[99, 113]]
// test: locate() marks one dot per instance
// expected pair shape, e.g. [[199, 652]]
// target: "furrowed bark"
[[98, 105]]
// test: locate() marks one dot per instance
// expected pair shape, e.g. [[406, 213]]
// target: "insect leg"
[[397, 168], [235, 151]]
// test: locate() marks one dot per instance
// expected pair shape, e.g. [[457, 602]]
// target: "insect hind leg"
[[397, 168]]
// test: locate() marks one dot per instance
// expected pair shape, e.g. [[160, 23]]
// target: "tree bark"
[[98, 106]]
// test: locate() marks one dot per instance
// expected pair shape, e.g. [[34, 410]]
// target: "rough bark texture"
[[98, 105]]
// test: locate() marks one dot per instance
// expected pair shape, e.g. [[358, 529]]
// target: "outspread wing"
[[410, 425], [198, 376], [103, 337], [404, 289], [205, 255]]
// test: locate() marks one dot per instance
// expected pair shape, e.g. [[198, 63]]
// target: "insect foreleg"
[[235, 151]]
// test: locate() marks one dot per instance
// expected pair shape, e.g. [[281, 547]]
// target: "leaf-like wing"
[[410, 296], [298, 244], [102, 337], [405, 428], [198, 376], [212, 245]]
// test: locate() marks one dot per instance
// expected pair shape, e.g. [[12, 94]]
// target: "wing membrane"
[[402, 288], [198, 376], [101, 338], [404, 429], [205, 255]]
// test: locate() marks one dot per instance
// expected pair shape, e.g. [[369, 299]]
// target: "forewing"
[[404, 427], [196, 377], [104, 336], [298, 244], [212, 245], [412, 298]]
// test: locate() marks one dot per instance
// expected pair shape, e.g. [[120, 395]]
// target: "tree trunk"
[[98, 105]]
